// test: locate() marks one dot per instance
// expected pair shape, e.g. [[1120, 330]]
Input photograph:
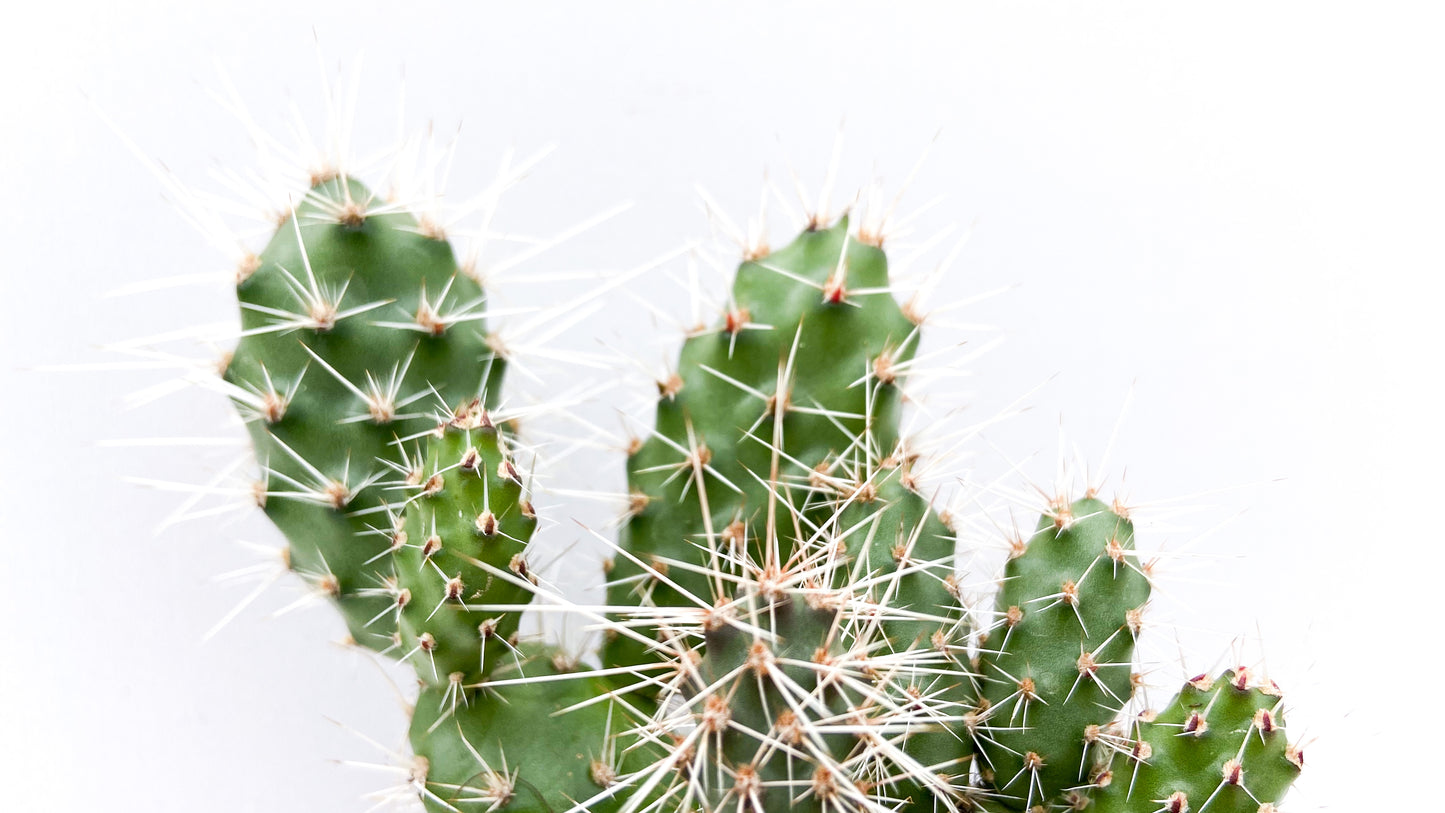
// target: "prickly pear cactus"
[[355, 317], [784, 628]]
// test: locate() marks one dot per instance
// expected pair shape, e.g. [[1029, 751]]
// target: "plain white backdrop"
[[1233, 209]]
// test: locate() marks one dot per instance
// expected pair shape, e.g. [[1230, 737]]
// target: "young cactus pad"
[[352, 315], [464, 529]]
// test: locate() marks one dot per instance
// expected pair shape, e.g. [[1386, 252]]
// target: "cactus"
[[808, 646], [1058, 664], [773, 497], [467, 520], [790, 403], [784, 626], [509, 748], [1220, 746], [353, 315]]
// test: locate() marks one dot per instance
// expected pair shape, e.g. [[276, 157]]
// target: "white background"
[[1234, 209]]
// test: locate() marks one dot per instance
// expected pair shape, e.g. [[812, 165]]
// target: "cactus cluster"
[[784, 625]]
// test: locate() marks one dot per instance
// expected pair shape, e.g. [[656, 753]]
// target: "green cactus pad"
[[466, 526], [353, 314], [1219, 747], [1060, 662], [815, 323]]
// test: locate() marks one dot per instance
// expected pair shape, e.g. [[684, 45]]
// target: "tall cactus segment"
[[791, 401], [353, 314], [1059, 664], [799, 585], [1219, 747], [460, 553]]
